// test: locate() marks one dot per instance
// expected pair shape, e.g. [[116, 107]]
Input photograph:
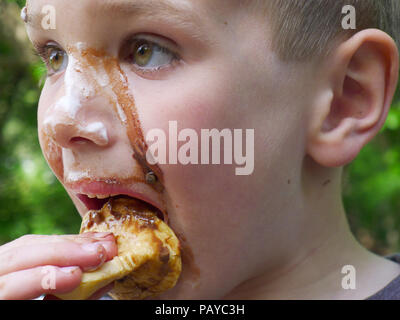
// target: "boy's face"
[[215, 70]]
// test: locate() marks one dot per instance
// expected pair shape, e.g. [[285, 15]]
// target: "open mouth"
[[96, 202]]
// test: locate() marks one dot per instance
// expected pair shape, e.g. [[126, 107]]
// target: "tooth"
[[91, 196], [102, 196]]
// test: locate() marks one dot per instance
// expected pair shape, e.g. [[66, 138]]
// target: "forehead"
[[188, 10], [37, 9], [96, 20]]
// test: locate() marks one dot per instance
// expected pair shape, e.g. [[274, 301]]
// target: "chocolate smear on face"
[[53, 155], [124, 100], [93, 64], [188, 259]]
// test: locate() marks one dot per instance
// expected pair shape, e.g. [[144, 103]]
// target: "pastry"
[[148, 261]]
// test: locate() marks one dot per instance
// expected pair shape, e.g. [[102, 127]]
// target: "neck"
[[317, 250]]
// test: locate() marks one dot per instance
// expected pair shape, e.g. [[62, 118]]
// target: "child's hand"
[[34, 264]]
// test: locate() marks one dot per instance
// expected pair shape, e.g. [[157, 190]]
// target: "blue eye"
[[149, 55]]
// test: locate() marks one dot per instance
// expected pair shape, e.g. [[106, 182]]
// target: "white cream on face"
[[121, 114], [98, 129], [24, 14], [77, 88], [77, 91], [95, 94], [73, 176]]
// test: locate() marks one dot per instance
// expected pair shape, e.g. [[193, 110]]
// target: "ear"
[[360, 77]]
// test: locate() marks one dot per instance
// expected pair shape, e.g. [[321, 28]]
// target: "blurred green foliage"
[[372, 188], [31, 198], [33, 201]]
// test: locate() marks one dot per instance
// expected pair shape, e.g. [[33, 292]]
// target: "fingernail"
[[93, 247], [98, 235], [69, 270], [102, 234]]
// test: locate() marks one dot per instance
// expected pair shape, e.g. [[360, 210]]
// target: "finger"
[[96, 235], [31, 283], [108, 242], [30, 239], [62, 254]]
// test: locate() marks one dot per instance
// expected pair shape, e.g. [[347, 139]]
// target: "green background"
[[33, 201]]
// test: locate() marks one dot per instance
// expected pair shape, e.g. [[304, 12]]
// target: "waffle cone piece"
[[148, 261]]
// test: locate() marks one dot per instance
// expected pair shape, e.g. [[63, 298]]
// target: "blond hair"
[[305, 29]]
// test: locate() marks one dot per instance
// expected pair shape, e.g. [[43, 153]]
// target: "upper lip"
[[109, 187]]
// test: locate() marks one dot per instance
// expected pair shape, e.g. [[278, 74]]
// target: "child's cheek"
[[190, 103], [177, 104], [51, 151]]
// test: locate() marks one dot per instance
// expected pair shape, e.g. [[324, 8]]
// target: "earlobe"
[[362, 74]]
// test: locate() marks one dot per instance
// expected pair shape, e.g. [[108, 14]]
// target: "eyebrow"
[[180, 14], [148, 7]]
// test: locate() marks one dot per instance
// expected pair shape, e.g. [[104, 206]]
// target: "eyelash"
[[39, 51], [42, 50], [148, 71], [162, 44]]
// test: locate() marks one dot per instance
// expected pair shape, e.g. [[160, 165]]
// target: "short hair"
[[305, 29]]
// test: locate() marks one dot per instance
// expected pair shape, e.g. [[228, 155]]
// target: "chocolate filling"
[[97, 204]]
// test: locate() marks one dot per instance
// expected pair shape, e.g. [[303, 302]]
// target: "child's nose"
[[89, 126], [82, 115], [68, 134]]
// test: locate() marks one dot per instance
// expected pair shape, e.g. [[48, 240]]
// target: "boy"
[[313, 92]]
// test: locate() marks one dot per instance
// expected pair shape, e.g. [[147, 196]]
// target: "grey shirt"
[[392, 290]]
